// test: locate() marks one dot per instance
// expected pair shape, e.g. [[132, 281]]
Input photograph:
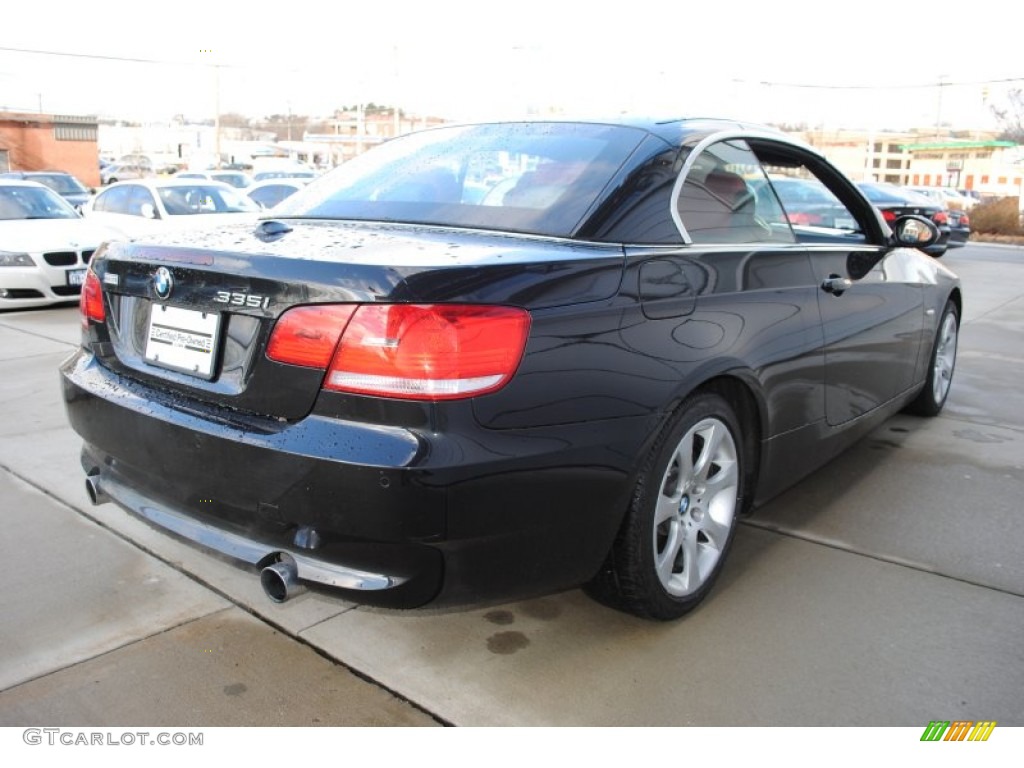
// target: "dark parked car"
[[959, 228], [956, 206], [64, 184], [894, 201], [495, 360], [808, 202]]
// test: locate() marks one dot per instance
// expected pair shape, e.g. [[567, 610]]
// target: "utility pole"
[[360, 128], [216, 109], [938, 108]]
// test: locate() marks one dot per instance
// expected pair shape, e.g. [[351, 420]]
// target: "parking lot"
[[886, 589]]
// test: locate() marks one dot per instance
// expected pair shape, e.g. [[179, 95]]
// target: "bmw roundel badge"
[[163, 282]]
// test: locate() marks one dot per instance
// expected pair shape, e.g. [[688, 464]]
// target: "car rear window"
[[538, 178]]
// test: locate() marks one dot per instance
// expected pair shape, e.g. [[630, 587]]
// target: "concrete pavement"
[[887, 589]]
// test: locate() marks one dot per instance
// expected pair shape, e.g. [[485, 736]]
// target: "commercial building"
[[985, 164], [41, 142]]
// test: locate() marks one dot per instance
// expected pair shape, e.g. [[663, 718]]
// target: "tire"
[[682, 518], [932, 397]]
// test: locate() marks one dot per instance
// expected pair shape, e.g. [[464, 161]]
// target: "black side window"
[[720, 202]]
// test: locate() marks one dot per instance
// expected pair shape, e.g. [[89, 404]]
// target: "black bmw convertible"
[[488, 361]]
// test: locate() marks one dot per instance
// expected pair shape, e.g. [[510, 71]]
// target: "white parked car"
[[947, 198], [285, 173], [116, 172], [237, 179], [44, 246], [147, 206]]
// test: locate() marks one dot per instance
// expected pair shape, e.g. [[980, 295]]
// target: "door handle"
[[836, 285]]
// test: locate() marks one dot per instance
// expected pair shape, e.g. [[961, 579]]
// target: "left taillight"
[[940, 217], [411, 351], [90, 302]]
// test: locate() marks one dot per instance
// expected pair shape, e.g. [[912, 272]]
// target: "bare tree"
[[1011, 116]]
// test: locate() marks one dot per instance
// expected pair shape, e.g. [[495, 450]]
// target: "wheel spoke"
[[690, 577], [712, 435], [666, 558], [717, 532], [667, 508], [724, 478], [684, 461]]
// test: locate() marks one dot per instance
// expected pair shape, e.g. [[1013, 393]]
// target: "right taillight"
[[429, 352], [413, 351], [90, 302]]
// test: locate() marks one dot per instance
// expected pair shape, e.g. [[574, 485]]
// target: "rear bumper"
[[958, 237], [388, 515], [941, 245], [240, 547]]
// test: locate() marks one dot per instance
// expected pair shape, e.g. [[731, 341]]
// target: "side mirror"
[[914, 232], [148, 211]]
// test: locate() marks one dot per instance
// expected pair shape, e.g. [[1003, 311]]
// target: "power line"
[[920, 86], [742, 81], [104, 57]]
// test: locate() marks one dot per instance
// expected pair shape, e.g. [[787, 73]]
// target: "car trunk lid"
[[192, 314]]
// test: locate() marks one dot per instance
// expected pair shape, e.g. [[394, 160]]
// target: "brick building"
[[40, 142]]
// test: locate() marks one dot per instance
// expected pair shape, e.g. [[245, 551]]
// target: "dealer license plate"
[[183, 339]]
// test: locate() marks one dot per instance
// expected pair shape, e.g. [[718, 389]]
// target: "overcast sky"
[[829, 64]]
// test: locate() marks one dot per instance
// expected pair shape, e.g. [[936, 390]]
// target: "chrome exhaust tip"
[[95, 490], [280, 580]]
